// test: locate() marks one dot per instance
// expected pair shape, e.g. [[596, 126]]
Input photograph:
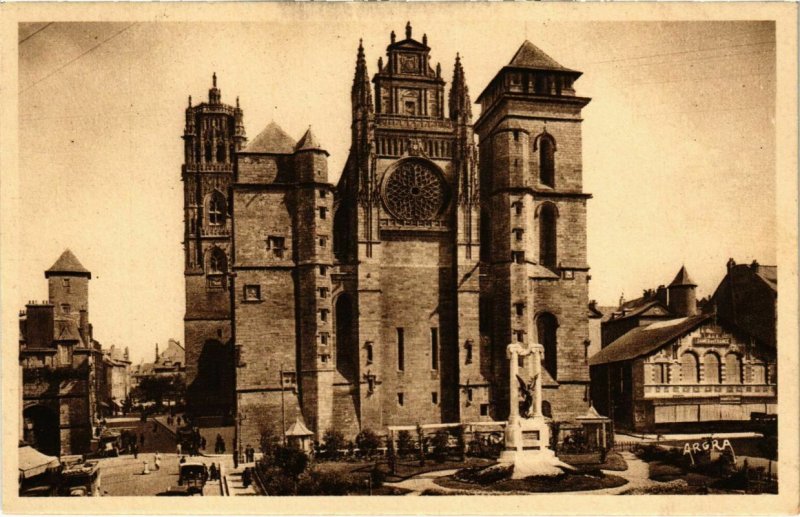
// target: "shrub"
[[439, 442], [368, 442], [405, 444], [484, 476], [333, 441], [292, 462]]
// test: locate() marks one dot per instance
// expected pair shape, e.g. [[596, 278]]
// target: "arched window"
[[216, 209], [548, 247], [547, 160], [221, 152], [689, 368], [346, 348], [733, 369], [208, 151], [711, 367], [547, 333], [217, 261]]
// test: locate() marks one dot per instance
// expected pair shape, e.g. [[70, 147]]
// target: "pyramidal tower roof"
[[682, 279], [272, 139], [309, 142], [530, 56], [68, 264]]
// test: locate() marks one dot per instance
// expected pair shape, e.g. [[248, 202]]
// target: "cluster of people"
[[219, 446], [249, 454], [174, 420]]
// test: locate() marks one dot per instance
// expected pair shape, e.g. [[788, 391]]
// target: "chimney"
[[83, 327], [40, 325], [662, 295]]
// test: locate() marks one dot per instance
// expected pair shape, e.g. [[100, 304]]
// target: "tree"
[[292, 462], [404, 443], [439, 442], [268, 444], [367, 442], [333, 441]]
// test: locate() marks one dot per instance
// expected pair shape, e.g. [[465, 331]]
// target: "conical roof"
[[272, 139], [68, 264], [531, 56], [682, 279], [309, 142], [298, 428]]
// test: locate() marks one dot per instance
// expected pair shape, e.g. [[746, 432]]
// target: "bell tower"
[[213, 133], [534, 226]]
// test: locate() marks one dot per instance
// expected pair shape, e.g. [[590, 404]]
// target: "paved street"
[[123, 475]]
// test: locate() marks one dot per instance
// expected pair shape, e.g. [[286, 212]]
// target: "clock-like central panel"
[[414, 191]]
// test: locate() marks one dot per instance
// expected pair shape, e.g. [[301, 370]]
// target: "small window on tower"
[[368, 347], [65, 284], [323, 314], [468, 352], [517, 205], [400, 399], [323, 241], [323, 270], [66, 308], [518, 257], [520, 334], [277, 245], [323, 212], [252, 293], [323, 193], [469, 394], [216, 210], [519, 308], [323, 338], [434, 397], [518, 232], [323, 292], [484, 409]]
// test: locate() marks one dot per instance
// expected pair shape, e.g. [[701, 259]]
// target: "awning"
[[32, 462]]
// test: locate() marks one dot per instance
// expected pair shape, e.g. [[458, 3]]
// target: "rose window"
[[414, 192]]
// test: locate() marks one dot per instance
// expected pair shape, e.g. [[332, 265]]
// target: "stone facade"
[[63, 375], [390, 299]]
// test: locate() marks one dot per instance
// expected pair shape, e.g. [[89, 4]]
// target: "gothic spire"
[[214, 95], [460, 103], [361, 94]]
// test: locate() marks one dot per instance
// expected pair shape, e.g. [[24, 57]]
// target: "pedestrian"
[[247, 477], [213, 472], [222, 445], [182, 460], [157, 461], [235, 458], [141, 439], [203, 442], [179, 448], [135, 450]]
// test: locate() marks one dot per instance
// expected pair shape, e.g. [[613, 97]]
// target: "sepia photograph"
[[400, 250]]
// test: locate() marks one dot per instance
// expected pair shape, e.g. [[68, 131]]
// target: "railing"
[[393, 224], [209, 167], [409, 122], [707, 390]]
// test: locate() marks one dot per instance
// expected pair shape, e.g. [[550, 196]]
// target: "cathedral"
[[390, 297]]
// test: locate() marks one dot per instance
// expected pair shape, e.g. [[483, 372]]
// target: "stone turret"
[[682, 297]]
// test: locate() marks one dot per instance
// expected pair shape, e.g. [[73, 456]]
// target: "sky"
[[678, 141]]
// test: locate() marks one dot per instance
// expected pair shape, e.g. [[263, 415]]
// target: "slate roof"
[[682, 279], [530, 56], [67, 263], [272, 139], [643, 340], [770, 275], [298, 428], [309, 142]]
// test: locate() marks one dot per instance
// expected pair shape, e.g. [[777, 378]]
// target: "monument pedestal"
[[527, 449]]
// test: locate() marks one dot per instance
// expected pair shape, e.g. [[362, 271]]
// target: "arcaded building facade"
[[390, 297]]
